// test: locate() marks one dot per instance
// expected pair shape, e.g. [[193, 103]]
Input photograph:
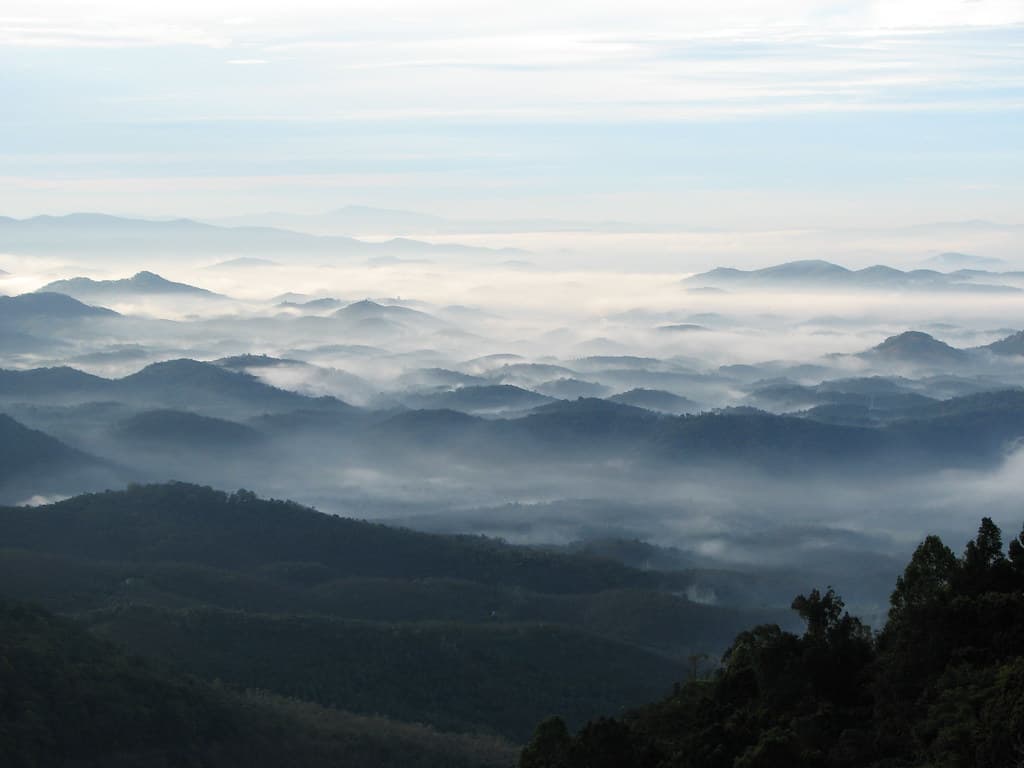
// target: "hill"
[[35, 382], [34, 464], [1010, 345], [570, 389], [656, 400], [139, 285], [71, 699], [493, 398], [208, 388], [41, 310], [954, 260], [462, 632], [192, 384], [25, 452], [823, 275], [916, 347], [175, 430], [370, 310], [112, 236]]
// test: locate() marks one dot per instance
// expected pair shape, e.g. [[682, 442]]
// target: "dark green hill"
[[173, 384], [971, 430], [177, 429], [27, 453], [656, 400], [186, 523], [188, 382], [458, 631], [71, 699], [459, 677], [51, 382], [486, 398]]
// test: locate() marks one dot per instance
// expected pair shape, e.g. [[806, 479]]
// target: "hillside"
[[462, 632], [40, 311], [23, 450], [34, 463], [493, 398], [656, 400], [114, 236], [175, 430], [916, 347], [1010, 345], [942, 684], [71, 699], [173, 384], [141, 284], [819, 275]]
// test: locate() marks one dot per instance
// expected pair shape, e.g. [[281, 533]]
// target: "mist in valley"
[[460, 390]]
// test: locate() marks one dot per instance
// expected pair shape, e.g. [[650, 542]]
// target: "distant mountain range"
[[952, 260], [81, 234], [364, 220], [824, 275], [172, 384], [139, 285]]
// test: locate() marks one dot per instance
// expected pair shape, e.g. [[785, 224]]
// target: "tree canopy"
[[942, 683]]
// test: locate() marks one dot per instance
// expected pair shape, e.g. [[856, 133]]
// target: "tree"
[[928, 575], [821, 613], [1017, 555], [549, 747], [984, 564]]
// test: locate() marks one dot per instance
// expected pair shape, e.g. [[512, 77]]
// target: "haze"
[[462, 267]]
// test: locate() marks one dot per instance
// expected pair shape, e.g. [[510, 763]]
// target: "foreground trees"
[[942, 684]]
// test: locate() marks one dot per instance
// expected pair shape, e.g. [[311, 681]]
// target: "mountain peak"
[[917, 347], [143, 282]]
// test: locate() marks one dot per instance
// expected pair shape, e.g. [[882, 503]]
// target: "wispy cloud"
[[197, 82]]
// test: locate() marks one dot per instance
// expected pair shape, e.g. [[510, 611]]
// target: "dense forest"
[[67, 698], [205, 628], [942, 684], [463, 633]]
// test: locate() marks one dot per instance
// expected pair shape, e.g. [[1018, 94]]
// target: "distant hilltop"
[[816, 274], [139, 284]]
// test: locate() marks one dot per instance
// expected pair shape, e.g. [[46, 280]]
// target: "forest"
[[942, 683]]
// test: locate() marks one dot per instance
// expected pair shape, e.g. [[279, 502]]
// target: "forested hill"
[[464, 633], [70, 699], [179, 522], [941, 685]]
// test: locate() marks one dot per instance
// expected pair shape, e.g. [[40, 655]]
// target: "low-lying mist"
[[442, 394]]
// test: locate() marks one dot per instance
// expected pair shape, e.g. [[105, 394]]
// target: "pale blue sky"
[[752, 113]]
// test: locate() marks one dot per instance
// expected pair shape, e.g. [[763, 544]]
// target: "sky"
[[738, 114]]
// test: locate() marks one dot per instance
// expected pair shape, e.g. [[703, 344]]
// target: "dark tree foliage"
[[68, 699], [462, 633], [941, 685]]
